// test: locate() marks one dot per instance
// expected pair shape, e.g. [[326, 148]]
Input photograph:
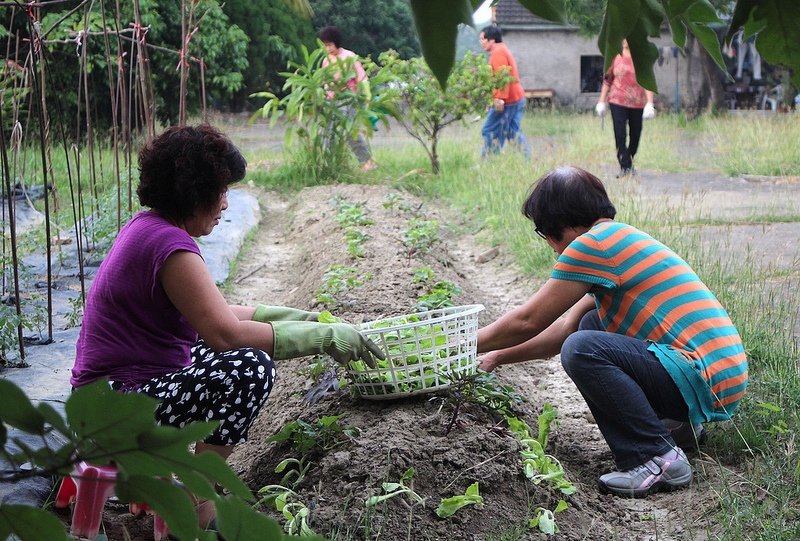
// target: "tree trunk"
[[694, 98], [434, 152], [714, 77]]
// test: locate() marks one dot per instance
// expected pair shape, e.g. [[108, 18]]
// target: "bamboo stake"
[[2, 186], [145, 79], [44, 137], [13, 232], [114, 125], [79, 210], [124, 102], [182, 66], [203, 89], [94, 208]]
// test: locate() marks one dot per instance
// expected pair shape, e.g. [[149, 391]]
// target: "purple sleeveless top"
[[131, 330]]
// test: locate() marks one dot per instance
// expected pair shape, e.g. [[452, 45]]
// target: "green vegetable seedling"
[[396, 489], [297, 470], [545, 519], [449, 506]]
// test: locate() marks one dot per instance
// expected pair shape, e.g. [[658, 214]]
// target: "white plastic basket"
[[424, 351]]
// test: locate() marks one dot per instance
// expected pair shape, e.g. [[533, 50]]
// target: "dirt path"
[[294, 245]]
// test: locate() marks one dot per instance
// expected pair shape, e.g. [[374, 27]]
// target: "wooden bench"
[[540, 97]]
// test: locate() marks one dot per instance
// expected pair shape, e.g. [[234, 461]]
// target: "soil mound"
[[286, 262]]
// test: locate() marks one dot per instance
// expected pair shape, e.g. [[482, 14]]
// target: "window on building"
[[591, 73]]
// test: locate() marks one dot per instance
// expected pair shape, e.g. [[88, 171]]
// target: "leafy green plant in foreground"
[[540, 467], [537, 465], [449, 506], [392, 490], [102, 426], [291, 505], [324, 434], [297, 470], [545, 519]]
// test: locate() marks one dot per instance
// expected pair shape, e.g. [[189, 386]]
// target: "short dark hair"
[[567, 197], [493, 32], [186, 169], [331, 34]]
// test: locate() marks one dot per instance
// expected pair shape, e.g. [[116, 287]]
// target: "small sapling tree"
[[323, 112], [425, 109]]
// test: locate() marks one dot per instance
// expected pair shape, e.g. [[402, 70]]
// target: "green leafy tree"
[[276, 35], [322, 112], [426, 109], [222, 46], [370, 27], [102, 426], [776, 22], [12, 93], [587, 15]]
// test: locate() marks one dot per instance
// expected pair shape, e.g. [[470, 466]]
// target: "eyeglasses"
[[540, 233]]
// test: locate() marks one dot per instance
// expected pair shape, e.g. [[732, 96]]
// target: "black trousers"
[[624, 118]]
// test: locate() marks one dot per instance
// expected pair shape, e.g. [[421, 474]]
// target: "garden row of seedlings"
[[482, 389]]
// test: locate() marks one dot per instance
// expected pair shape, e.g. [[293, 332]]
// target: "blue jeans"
[[627, 390], [502, 127]]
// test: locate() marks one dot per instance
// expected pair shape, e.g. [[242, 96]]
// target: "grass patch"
[[755, 145]]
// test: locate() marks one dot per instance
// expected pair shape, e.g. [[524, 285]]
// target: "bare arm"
[[608, 77], [649, 95], [192, 290], [532, 318], [604, 93], [547, 344], [243, 313]]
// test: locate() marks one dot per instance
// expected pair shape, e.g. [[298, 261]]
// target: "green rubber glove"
[[268, 314], [339, 340]]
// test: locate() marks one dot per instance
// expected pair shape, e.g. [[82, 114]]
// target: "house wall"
[[551, 58]]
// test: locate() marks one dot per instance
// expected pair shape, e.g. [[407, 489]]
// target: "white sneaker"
[[670, 471]]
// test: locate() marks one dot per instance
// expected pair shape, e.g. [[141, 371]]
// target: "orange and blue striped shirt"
[[644, 290]]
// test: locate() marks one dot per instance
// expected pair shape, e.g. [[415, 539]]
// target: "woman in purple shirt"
[[155, 321]]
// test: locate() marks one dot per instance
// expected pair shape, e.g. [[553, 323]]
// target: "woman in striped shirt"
[[644, 340]]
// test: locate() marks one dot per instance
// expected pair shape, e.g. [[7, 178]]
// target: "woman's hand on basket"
[[349, 344], [341, 341]]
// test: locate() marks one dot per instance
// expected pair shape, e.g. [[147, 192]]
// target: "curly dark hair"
[[331, 34], [567, 197], [186, 169]]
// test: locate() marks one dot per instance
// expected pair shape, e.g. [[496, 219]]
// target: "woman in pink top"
[[630, 103], [331, 37]]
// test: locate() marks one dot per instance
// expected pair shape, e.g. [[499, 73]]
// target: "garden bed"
[[410, 433]]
